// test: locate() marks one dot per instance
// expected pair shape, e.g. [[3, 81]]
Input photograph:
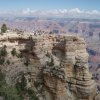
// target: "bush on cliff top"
[[3, 28]]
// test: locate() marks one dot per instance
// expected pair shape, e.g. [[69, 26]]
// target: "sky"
[[49, 4], [50, 7]]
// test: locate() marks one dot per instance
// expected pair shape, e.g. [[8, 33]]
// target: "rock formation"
[[55, 67]]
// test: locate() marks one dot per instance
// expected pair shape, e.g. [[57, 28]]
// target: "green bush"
[[3, 28], [8, 62], [32, 95], [21, 85], [3, 51], [14, 52], [2, 60], [6, 91], [21, 88], [17, 92], [20, 55], [27, 61]]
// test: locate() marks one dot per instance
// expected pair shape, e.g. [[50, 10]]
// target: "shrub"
[[27, 61], [6, 91], [22, 90], [13, 52], [3, 28], [8, 62], [20, 55], [15, 92], [3, 51], [20, 86], [2, 60], [32, 95]]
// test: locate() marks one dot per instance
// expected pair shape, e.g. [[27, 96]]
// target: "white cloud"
[[26, 11], [76, 12], [95, 12]]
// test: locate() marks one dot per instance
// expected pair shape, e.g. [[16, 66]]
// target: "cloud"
[[26, 11], [75, 13], [75, 10]]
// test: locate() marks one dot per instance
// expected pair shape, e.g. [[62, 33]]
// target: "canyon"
[[55, 67]]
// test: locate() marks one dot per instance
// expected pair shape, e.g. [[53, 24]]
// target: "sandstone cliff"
[[55, 67]]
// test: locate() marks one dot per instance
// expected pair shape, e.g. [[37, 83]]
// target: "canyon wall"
[[54, 66]]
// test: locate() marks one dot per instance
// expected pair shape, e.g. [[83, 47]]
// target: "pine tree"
[[3, 28]]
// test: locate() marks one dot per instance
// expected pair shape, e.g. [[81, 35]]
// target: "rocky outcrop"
[[55, 67], [67, 76]]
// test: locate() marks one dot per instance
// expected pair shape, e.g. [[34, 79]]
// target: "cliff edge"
[[54, 66]]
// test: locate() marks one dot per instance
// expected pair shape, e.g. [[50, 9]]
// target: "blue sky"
[[62, 8], [6, 5]]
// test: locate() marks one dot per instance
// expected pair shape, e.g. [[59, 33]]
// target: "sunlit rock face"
[[66, 72], [56, 67]]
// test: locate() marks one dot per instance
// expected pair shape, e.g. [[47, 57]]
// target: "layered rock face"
[[66, 73], [57, 66]]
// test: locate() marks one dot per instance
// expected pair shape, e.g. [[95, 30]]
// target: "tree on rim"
[[3, 28]]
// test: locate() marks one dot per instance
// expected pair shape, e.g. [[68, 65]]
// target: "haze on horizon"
[[57, 8]]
